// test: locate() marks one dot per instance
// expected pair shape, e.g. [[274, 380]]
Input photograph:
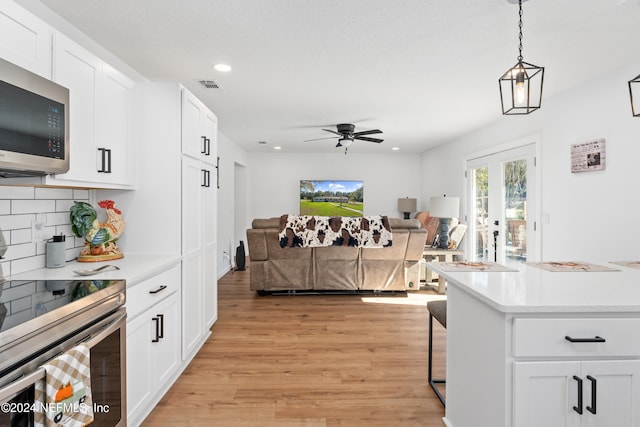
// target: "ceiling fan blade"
[[364, 138], [333, 131], [318, 139], [367, 132]]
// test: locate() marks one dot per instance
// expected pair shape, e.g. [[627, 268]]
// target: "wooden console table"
[[441, 255]]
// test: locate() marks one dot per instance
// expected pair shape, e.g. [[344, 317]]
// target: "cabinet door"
[[545, 394], [210, 132], [77, 69], [24, 39], [617, 398], [192, 265], [140, 384], [193, 139], [113, 127], [167, 349]]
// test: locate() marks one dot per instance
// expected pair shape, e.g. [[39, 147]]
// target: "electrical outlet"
[[37, 231]]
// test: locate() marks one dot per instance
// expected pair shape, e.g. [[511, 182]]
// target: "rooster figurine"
[[100, 237]]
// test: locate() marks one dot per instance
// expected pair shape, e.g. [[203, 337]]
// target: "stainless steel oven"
[[62, 314]]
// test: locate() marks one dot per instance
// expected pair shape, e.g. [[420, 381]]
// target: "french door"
[[501, 206]]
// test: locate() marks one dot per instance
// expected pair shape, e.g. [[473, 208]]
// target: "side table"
[[441, 255]]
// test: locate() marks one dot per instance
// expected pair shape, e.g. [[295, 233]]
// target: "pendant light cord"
[[520, 32]]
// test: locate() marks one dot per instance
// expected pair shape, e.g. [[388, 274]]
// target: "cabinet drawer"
[[548, 337], [151, 291]]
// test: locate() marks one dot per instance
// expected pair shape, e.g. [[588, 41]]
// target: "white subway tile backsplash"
[[54, 193], [11, 222], [19, 207], [32, 206], [10, 193], [79, 194], [22, 250], [58, 218], [27, 264], [22, 235], [63, 205]]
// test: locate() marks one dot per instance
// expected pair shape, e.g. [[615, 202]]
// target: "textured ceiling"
[[423, 71]]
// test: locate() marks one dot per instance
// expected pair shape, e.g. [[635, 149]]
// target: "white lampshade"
[[407, 205], [445, 207]]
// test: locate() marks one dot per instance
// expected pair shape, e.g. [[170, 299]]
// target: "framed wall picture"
[[588, 156]]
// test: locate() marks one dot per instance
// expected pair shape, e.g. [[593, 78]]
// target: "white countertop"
[[134, 268], [534, 290]]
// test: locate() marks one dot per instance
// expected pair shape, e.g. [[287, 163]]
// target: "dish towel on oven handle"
[[65, 393]]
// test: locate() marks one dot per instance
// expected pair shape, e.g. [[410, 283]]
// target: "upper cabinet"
[[199, 129], [100, 112], [25, 40]]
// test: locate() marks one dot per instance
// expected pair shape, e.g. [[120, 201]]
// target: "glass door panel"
[[500, 190], [515, 209]]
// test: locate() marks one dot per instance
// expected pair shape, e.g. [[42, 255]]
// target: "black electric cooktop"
[[24, 300]]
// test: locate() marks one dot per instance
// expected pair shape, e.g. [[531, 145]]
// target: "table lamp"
[[407, 206], [444, 208]]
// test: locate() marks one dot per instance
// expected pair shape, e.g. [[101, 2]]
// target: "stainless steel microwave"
[[34, 124]]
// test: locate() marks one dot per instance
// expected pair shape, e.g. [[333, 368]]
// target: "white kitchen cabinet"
[[153, 342], [193, 178], [175, 206], [521, 346], [25, 40], [100, 113], [199, 129], [561, 393], [199, 148]]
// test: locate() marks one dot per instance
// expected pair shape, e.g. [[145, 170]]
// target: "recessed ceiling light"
[[277, 148], [222, 67], [395, 148]]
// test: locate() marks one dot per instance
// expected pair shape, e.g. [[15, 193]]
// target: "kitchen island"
[[539, 348]]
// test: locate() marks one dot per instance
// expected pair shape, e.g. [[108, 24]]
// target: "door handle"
[[160, 289], [594, 382], [106, 160], [578, 408], [161, 317], [206, 178], [579, 340], [157, 322], [204, 145]]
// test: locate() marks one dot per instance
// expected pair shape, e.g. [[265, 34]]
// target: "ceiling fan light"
[[344, 142]]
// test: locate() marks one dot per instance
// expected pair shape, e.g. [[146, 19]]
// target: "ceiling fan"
[[346, 135]]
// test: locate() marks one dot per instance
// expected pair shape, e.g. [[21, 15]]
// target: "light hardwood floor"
[[315, 361]]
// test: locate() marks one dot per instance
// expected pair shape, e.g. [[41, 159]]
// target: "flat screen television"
[[331, 198]]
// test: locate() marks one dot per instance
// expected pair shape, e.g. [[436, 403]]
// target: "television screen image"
[[331, 198]]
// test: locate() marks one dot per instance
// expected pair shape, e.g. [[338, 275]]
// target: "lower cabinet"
[[153, 342], [574, 393]]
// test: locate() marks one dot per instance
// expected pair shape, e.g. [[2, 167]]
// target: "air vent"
[[262, 142], [209, 84]]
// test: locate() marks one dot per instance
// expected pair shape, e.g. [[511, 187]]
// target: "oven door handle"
[[20, 384], [92, 340]]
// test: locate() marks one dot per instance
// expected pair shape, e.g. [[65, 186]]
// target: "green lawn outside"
[[307, 207]]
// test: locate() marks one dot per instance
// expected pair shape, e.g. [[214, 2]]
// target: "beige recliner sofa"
[[334, 268]]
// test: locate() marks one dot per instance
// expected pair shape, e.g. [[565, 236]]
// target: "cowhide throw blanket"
[[307, 231]]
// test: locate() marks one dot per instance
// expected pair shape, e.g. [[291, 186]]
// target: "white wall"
[[232, 216], [586, 216], [274, 179]]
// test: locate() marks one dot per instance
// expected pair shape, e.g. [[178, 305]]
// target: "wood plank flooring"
[[309, 361]]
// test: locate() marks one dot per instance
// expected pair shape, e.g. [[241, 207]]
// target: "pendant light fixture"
[[634, 88], [521, 85]]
